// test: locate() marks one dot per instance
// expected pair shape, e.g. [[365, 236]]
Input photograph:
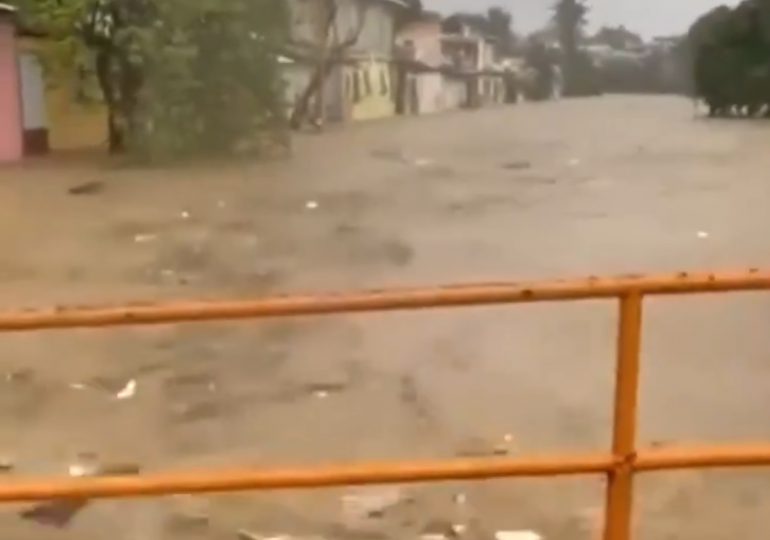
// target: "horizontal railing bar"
[[703, 457], [656, 459], [384, 300], [311, 477]]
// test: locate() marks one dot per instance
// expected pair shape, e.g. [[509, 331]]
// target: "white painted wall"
[[32, 92]]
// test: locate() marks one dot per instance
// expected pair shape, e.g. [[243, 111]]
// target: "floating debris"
[[185, 214], [574, 162], [189, 513], [128, 391], [245, 534], [78, 386], [89, 188], [324, 390], [144, 238], [56, 514], [86, 464], [119, 469], [517, 165], [441, 530], [311, 205], [19, 376], [703, 235], [361, 508], [6, 464], [477, 447]]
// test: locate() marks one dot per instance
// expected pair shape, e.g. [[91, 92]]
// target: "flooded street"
[[579, 187]]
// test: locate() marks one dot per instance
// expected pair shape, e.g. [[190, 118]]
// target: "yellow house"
[[76, 116], [372, 88]]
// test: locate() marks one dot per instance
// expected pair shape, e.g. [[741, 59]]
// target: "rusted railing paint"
[[703, 457], [329, 476], [620, 481], [384, 300], [620, 466], [312, 477]]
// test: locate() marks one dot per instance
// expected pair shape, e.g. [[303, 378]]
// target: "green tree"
[[188, 77], [179, 77], [56, 19], [618, 38], [580, 76], [729, 50], [500, 26]]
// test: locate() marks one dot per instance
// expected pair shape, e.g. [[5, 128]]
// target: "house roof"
[[7, 9]]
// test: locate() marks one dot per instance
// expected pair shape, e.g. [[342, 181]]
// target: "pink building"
[[11, 121]]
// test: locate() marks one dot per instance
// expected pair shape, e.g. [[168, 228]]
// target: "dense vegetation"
[[179, 77], [730, 52]]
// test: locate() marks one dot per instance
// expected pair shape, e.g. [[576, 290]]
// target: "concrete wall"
[[455, 93], [10, 94], [34, 108]]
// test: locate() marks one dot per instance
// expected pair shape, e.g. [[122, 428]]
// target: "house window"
[[384, 90], [356, 75], [367, 82]]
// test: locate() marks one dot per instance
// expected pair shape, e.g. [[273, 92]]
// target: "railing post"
[[620, 482]]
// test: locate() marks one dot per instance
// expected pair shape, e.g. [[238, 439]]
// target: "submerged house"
[[359, 47], [425, 84], [23, 112], [472, 53]]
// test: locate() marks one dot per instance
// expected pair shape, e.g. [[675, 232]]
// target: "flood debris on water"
[[128, 391], [145, 238], [19, 376], [441, 529], [88, 464], [57, 514], [89, 188], [478, 447], [60, 512], [85, 464], [188, 514], [7, 464], [517, 165], [364, 509]]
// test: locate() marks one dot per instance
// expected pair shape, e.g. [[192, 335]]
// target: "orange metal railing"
[[620, 465]]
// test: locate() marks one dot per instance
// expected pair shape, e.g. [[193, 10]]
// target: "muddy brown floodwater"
[[595, 186]]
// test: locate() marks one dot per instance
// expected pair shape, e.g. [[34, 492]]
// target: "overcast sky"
[[647, 17]]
